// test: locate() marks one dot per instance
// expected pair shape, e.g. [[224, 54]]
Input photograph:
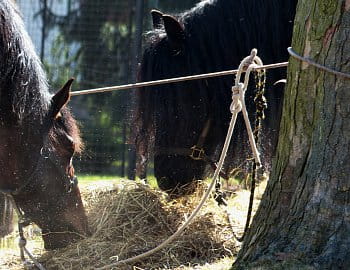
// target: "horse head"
[[188, 121], [36, 160], [38, 138], [179, 114]]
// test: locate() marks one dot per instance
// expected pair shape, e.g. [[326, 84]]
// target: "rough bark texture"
[[6, 214], [305, 212]]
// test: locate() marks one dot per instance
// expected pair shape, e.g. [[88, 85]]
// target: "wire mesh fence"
[[93, 42]]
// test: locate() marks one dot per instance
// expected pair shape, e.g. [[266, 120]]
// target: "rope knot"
[[249, 60], [236, 105], [248, 64]]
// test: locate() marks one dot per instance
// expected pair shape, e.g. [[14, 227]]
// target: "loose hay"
[[133, 218]]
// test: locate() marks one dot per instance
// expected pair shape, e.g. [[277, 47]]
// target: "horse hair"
[[22, 81], [218, 35], [208, 39], [24, 90]]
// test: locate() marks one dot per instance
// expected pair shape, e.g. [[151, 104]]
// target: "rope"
[[239, 91], [22, 222], [204, 76], [172, 80], [237, 105], [319, 66], [261, 105], [254, 63]]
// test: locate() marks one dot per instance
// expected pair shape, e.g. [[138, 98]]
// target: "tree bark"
[[137, 51], [304, 215], [6, 215]]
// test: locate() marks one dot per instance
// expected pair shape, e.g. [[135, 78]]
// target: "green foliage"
[[94, 44], [63, 63]]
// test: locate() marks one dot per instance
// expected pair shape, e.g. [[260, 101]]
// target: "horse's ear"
[[157, 18], [174, 30], [61, 98]]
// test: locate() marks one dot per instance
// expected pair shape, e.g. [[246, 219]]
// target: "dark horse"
[[213, 36], [38, 138]]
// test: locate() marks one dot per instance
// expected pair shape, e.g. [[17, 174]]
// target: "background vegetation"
[[93, 42]]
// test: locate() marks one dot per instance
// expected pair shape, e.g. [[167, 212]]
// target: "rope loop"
[[248, 64]]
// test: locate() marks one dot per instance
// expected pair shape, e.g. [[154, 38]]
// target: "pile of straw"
[[133, 218]]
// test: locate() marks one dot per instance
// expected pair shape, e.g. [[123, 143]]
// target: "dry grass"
[[128, 219]]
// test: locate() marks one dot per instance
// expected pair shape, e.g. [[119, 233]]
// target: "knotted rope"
[[238, 104], [238, 101], [252, 62], [22, 241]]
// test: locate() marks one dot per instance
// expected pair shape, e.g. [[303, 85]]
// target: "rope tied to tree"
[[248, 64]]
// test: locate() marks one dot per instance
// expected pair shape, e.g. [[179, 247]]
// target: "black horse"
[[213, 36], [38, 138]]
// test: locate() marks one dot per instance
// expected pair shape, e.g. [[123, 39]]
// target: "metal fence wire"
[[89, 40], [94, 41]]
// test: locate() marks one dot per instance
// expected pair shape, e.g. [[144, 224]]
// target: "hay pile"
[[133, 218]]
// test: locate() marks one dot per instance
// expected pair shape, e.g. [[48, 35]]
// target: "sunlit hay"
[[134, 218], [238, 207]]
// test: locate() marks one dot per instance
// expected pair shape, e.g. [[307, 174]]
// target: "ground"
[[237, 207]]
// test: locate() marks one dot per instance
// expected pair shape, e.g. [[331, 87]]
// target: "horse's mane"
[[219, 33], [24, 91], [23, 84]]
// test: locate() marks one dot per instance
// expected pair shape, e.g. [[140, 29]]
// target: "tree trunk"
[[304, 215], [6, 215], [137, 51]]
